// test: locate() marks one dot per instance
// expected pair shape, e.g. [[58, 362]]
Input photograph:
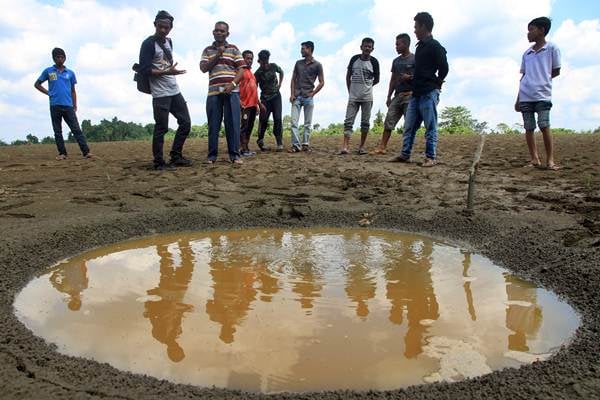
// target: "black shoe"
[[164, 167], [181, 162]]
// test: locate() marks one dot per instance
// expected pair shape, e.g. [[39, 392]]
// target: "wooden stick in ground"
[[473, 172]]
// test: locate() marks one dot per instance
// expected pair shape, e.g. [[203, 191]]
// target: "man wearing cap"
[[225, 66], [63, 102], [156, 60]]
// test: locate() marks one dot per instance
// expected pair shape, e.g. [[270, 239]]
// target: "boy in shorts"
[[540, 64]]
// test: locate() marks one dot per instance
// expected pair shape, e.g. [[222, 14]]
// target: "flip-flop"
[[361, 152], [378, 152], [553, 167], [532, 165], [343, 152]]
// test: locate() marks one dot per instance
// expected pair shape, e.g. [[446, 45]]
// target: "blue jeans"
[[57, 114], [217, 107], [421, 109], [308, 104]]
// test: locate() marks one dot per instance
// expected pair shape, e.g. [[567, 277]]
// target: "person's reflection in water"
[[166, 314], [467, 286], [305, 285], [523, 319], [410, 287], [71, 280], [233, 290], [360, 288]]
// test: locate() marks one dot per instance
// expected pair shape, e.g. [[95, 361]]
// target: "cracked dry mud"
[[542, 225]]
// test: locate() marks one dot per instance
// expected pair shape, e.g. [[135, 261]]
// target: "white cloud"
[[580, 42], [328, 31], [485, 42]]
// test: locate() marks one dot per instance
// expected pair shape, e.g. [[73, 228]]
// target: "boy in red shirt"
[[249, 104]]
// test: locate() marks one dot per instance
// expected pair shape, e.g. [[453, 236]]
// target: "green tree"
[[32, 139], [378, 122], [48, 140], [457, 119], [3, 143]]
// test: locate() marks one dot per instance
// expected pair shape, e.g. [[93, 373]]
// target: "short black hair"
[[542, 23], [264, 55], [163, 15], [247, 52], [309, 44], [424, 18], [405, 37], [222, 23], [57, 51], [368, 40]]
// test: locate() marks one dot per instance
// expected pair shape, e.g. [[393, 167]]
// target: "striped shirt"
[[226, 68]]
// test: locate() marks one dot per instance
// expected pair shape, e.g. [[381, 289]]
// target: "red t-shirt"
[[248, 89]]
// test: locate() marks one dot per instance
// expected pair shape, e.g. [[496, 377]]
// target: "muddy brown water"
[[294, 310]]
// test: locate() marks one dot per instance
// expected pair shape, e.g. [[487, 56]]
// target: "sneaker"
[[181, 162], [428, 163], [61, 157], [399, 158], [279, 148], [164, 167], [248, 153], [306, 148]]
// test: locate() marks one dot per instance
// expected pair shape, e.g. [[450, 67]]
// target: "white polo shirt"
[[537, 67]]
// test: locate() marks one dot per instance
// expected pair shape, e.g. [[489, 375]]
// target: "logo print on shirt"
[[52, 76]]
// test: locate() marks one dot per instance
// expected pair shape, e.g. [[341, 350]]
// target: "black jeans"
[[272, 106], [162, 106], [247, 124], [57, 114]]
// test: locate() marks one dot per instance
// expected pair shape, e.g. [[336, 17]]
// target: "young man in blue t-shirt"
[[63, 102]]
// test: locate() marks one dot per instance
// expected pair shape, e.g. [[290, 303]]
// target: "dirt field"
[[543, 225]]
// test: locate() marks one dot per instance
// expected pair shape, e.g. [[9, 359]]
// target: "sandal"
[[343, 152], [553, 167], [361, 152], [531, 164], [380, 152], [294, 150], [237, 161]]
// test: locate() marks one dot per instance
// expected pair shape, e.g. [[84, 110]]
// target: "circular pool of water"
[[294, 310]]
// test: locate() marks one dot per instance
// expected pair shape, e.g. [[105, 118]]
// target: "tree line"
[[453, 120]]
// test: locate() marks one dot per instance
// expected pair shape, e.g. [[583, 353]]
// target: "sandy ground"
[[543, 225]]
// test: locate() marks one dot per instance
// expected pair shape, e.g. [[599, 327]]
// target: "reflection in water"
[[410, 288], [378, 310], [233, 288], [523, 314], [360, 288], [166, 314], [467, 286], [72, 280]]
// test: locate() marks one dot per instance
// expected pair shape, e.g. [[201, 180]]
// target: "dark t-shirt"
[[306, 74], [403, 65], [268, 82]]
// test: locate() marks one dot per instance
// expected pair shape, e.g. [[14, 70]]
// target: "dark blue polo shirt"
[[59, 85]]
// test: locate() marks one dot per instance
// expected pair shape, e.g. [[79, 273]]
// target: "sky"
[[484, 39]]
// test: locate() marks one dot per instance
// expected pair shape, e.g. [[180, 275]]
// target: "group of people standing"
[[233, 99], [232, 95]]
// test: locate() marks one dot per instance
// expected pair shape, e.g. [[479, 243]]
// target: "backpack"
[[143, 81]]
